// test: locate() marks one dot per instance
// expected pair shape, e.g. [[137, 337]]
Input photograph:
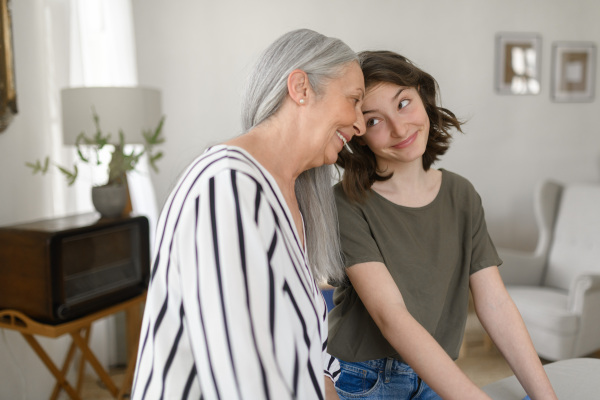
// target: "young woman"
[[233, 309], [415, 241]]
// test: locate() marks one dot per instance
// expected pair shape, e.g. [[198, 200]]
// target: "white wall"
[[199, 52]]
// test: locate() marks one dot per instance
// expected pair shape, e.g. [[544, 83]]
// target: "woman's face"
[[397, 124], [336, 113]]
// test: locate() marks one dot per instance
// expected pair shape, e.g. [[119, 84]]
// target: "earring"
[[301, 101]]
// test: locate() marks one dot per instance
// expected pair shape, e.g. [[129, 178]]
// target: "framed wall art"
[[518, 63], [8, 95], [573, 71]]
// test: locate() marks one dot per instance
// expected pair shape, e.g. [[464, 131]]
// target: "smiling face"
[[336, 113], [397, 124]]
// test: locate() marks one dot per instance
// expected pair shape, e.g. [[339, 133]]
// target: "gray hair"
[[322, 58]]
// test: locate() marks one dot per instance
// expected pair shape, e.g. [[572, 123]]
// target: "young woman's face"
[[337, 113], [397, 124]]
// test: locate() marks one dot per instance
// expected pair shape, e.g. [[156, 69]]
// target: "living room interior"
[[197, 54]]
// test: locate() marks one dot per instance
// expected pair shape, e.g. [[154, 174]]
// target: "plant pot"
[[109, 200]]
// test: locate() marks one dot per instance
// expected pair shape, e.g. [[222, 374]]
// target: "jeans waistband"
[[387, 364]]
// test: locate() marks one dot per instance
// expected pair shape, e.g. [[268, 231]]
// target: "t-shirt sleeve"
[[357, 241], [484, 252], [331, 366]]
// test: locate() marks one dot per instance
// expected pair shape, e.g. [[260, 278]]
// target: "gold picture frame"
[[8, 92], [573, 71]]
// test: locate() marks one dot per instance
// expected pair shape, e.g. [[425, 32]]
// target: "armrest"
[[520, 267], [584, 293]]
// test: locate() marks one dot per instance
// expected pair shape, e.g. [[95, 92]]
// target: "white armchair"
[[557, 287]]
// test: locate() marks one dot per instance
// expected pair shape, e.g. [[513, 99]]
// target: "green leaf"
[[38, 166], [71, 176], [153, 158]]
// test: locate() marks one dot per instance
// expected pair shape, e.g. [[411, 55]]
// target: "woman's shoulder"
[[219, 159], [458, 186], [456, 180], [342, 198], [215, 168]]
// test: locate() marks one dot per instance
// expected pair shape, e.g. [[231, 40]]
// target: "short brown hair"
[[360, 168]]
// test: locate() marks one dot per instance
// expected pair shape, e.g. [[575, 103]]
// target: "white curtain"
[[102, 43], [88, 43]]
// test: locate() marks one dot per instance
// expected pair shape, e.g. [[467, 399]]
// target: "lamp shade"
[[128, 109]]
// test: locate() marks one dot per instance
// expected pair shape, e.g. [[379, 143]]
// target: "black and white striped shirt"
[[233, 311]]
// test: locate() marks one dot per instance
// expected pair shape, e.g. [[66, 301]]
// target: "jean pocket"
[[355, 382]]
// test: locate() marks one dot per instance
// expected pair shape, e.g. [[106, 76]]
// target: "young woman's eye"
[[372, 122], [403, 104]]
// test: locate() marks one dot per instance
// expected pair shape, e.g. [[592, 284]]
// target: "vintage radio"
[[59, 269]]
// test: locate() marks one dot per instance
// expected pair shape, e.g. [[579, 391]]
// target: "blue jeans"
[[381, 379]]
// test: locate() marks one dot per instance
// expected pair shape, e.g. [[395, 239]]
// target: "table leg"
[[91, 358], [133, 317], [60, 378], [81, 370], [65, 369]]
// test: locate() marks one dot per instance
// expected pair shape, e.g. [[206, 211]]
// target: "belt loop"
[[388, 369]]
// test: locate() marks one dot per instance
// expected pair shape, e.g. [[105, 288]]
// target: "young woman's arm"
[[382, 298], [501, 319]]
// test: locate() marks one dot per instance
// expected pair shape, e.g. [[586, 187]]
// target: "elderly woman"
[[233, 309]]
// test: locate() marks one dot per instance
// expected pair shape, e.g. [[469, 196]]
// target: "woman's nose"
[[359, 125], [397, 127]]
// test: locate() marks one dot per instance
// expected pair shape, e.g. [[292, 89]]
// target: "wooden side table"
[[79, 330]]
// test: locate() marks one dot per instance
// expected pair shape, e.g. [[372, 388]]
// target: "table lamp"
[[130, 109]]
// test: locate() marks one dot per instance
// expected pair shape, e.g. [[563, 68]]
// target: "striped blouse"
[[233, 311]]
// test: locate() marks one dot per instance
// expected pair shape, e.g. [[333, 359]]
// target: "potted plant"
[[111, 198]]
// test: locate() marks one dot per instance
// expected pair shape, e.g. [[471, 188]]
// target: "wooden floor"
[[94, 389]]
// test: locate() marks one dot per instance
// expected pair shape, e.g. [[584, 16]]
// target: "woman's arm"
[[501, 319], [383, 300]]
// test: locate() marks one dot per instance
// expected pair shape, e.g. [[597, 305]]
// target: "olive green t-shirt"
[[430, 252]]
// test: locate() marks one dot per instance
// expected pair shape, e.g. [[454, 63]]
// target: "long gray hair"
[[322, 58]]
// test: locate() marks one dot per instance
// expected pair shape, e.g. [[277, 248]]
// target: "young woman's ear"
[[298, 86]]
